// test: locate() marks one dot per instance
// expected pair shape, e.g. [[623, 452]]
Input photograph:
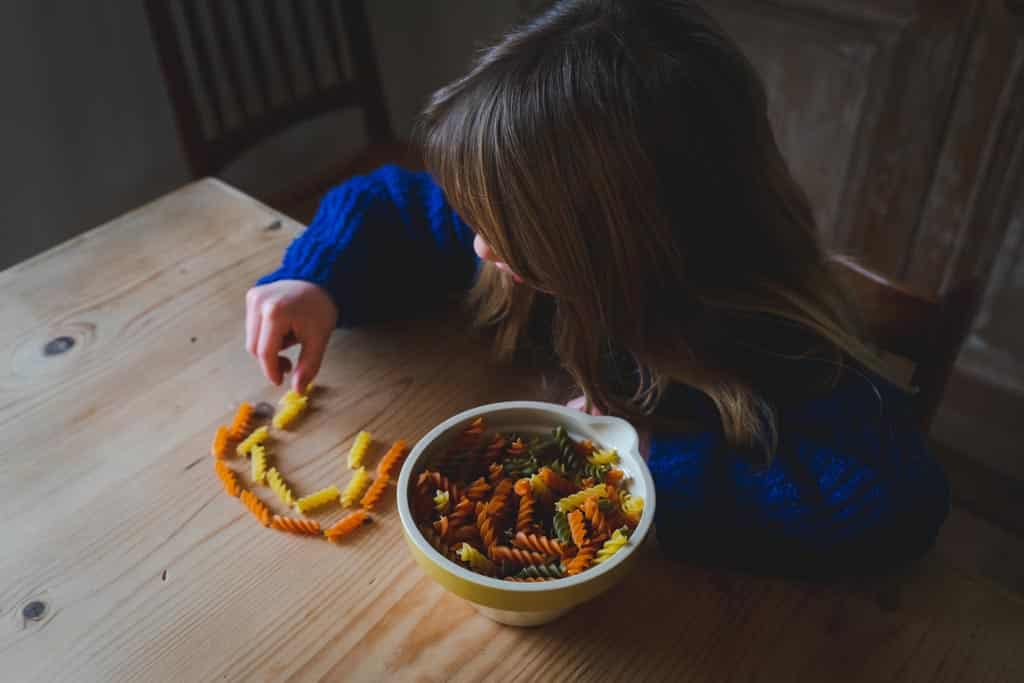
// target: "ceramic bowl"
[[529, 604]]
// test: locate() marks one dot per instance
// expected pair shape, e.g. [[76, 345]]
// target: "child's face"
[[484, 251]]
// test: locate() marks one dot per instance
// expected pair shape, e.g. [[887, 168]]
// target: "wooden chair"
[[926, 331], [241, 71]]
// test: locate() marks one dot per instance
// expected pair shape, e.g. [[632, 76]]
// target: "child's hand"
[[285, 313], [579, 402]]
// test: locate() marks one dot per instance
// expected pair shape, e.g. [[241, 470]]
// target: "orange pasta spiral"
[[462, 513], [557, 482], [256, 507], [347, 524], [538, 543], [523, 558], [594, 515], [442, 528], [499, 501], [516, 448], [471, 435], [304, 527], [374, 493], [228, 478], [219, 447], [578, 528], [485, 525], [495, 473], [477, 490], [242, 424], [524, 520], [584, 558], [495, 449], [614, 476], [387, 463]]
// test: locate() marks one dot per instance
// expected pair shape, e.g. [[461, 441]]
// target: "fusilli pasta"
[[219, 447], [277, 484], [256, 507], [318, 499], [358, 450], [228, 478], [611, 546], [289, 412], [304, 527], [257, 438], [259, 464], [347, 524], [355, 487]]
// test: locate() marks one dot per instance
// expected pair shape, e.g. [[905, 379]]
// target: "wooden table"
[[122, 559]]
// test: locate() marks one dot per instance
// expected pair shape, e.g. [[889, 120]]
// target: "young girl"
[[611, 163]]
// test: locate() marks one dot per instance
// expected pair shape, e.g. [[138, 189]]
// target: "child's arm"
[[381, 246], [849, 490]]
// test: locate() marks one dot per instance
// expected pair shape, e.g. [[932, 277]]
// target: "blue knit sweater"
[[851, 488]]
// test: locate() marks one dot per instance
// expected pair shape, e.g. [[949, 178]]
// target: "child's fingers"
[[252, 325], [310, 357], [272, 331]]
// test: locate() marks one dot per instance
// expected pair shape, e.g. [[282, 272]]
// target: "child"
[[613, 162]]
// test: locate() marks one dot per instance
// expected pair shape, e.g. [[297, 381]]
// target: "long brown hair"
[[617, 155]]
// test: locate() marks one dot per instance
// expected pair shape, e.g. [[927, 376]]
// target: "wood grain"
[[148, 571]]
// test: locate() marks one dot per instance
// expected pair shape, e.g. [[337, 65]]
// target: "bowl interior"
[[528, 417]]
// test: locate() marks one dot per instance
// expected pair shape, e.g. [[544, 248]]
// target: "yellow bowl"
[[529, 604]]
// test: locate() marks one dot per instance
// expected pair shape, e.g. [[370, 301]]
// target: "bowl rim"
[[414, 534]]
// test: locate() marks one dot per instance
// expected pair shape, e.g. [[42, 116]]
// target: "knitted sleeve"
[[383, 245]]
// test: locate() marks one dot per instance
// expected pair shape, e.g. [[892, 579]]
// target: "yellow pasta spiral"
[[611, 546], [318, 499], [355, 488], [288, 412], [475, 559], [606, 457], [571, 502], [632, 506], [257, 438], [259, 464], [277, 484], [358, 450], [441, 500]]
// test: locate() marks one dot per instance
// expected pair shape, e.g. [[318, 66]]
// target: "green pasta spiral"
[[560, 523], [568, 461], [541, 571]]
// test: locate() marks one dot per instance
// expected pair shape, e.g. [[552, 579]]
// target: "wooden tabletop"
[[122, 559]]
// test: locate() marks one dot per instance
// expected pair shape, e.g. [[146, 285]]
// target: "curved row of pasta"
[[251, 442]]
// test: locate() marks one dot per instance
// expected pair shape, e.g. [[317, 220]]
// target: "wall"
[[87, 131]]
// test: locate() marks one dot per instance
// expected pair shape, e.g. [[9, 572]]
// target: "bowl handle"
[[617, 430]]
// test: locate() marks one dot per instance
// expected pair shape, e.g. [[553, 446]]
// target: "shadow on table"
[[668, 618]]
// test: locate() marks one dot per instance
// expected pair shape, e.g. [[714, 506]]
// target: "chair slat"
[[204, 63], [277, 39], [255, 54], [378, 124], [304, 31], [327, 20], [228, 55]]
